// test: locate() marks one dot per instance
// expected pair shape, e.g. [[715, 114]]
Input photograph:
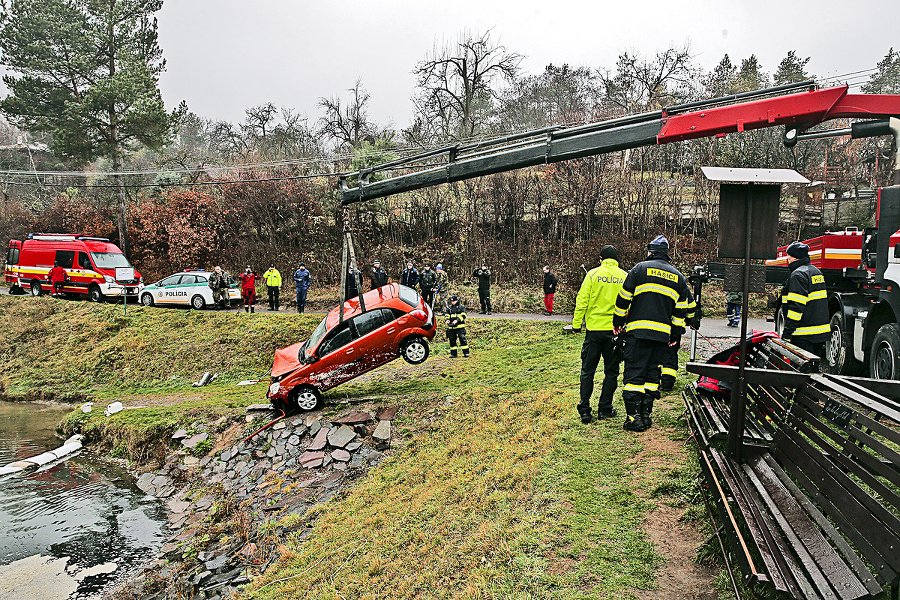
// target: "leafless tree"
[[349, 126], [640, 83]]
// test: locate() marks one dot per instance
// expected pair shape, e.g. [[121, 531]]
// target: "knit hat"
[[798, 250], [659, 244], [439, 266], [609, 252]]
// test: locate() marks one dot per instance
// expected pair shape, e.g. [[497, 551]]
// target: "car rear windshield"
[[316, 337], [109, 260], [409, 296]]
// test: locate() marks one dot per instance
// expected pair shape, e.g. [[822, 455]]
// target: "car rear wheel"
[[885, 360], [306, 398], [147, 299], [94, 294], [198, 302], [36, 289], [414, 350]]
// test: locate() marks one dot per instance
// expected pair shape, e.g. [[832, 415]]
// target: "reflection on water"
[[85, 510]]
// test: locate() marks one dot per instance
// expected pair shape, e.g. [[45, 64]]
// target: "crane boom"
[[690, 121]]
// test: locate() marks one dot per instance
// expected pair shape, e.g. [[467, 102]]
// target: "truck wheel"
[[414, 350], [306, 398], [885, 360], [94, 294], [36, 289], [838, 356], [147, 299], [197, 302], [779, 321]]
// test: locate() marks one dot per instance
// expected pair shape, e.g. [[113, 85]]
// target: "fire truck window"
[[84, 262], [12, 256], [65, 258]]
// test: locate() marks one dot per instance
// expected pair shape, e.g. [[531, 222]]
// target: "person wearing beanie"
[[427, 282], [302, 281], [379, 276], [273, 283], [410, 276], [804, 303], [651, 311], [441, 287], [550, 282], [594, 307]]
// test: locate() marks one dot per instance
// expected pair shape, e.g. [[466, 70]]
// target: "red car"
[[397, 322]]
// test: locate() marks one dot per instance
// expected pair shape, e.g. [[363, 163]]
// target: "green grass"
[[497, 491]]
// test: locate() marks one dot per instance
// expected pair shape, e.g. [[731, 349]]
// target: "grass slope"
[[496, 490]]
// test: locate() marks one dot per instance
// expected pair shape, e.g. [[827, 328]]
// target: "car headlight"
[[273, 389], [108, 279]]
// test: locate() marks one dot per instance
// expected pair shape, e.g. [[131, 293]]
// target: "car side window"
[[84, 261], [188, 280], [368, 322], [338, 338], [201, 280], [170, 280], [392, 314]]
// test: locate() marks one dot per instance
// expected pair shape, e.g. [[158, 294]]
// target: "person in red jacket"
[[248, 288], [58, 279]]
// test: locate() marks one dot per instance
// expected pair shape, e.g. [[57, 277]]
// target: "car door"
[[166, 292], [187, 287], [338, 357], [369, 328], [202, 287]]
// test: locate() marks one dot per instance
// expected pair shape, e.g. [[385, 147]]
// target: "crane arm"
[[697, 120]]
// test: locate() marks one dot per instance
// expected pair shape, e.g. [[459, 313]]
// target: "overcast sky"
[[225, 55]]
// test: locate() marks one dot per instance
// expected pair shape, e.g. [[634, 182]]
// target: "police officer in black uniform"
[[483, 275], [379, 275], [456, 327], [651, 309], [804, 303]]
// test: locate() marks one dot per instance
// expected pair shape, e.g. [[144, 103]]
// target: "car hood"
[[286, 360]]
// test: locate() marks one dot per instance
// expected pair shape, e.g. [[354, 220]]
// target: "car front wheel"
[[414, 350], [147, 299], [306, 398], [198, 302]]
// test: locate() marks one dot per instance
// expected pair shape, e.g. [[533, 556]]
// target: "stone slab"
[[192, 441], [312, 459], [340, 455], [353, 418], [382, 434], [387, 413], [320, 440], [342, 436]]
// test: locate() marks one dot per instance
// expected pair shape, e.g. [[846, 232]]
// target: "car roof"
[[387, 296]]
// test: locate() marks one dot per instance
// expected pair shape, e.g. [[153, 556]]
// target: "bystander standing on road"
[[595, 305], [351, 289], [441, 287], [550, 282], [410, 276], [219, 281], [427, 282], [379, 275], [302, 281], [248, 289], [733, 301], [273, 283], [483, 275]]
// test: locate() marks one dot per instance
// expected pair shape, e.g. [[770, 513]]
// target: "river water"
[[72, 530]]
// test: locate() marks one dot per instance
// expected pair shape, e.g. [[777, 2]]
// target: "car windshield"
[[314, 339], [109, 260]]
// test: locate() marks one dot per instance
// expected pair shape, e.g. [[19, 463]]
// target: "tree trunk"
[[120, 197]]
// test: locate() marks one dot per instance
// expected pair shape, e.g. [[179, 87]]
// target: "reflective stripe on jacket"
[[804, 302], [655, 301], [456, 313], [596, 299]]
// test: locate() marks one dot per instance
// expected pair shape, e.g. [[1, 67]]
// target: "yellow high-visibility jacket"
[[596, 299], [272, 277]]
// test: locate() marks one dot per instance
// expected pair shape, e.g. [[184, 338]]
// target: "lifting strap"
[[348, 263]]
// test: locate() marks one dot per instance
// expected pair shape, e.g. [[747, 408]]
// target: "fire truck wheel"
[[885, 360], [838, 357], [147, 299], [197, 302], [36, 289], [94, 294]]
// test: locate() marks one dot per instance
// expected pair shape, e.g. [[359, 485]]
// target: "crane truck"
[[862, 268]]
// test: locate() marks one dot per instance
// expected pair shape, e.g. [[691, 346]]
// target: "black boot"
[[633, 419], [252, 309], [666, 383], [646, 411], [606, 413]]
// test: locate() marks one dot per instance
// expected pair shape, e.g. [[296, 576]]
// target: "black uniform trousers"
[[458, 341], [484, 296], [274, 292], [641, 378], [428, 296], [597, 345], [669, 368]]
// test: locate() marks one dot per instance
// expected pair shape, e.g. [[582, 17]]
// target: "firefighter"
[[651, 310], [273, 284], [483, 275], [426, 283], [302, 281], [441, 287], [379, 275], [594, 305], [218, 283], [804, 303], [410, 276], [248, 288], [456, 327], [550, 282], [58, 278]]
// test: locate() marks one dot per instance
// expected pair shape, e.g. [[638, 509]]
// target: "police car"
[[189, 288]]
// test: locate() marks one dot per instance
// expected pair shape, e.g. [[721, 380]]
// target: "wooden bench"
[[710, 412], [817, 514]]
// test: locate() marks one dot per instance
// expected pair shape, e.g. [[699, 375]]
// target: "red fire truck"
[[90, 264]]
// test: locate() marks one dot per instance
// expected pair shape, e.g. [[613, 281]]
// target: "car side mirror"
[[310, 359]]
